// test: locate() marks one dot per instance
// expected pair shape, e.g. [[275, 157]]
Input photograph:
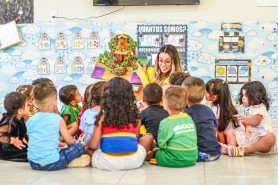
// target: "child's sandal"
[[236, 151]]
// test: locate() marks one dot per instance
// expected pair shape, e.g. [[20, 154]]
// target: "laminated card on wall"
[[9, 35]]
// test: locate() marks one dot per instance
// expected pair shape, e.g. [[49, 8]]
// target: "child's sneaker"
[[82, 161]]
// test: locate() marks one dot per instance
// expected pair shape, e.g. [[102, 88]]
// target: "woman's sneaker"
[[82, 161]]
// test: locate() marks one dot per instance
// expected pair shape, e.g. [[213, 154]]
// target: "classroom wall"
[[21, 64], [208, 10]]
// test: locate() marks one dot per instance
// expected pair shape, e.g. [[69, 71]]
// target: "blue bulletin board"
[[67, 52]]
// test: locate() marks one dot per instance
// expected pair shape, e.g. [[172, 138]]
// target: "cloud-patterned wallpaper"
[[66, 53]]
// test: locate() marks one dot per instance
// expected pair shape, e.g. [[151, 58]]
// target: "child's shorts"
[[111, 162]]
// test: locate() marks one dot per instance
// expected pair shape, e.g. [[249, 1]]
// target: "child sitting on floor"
[[208, 147], [13, 135], [154, 113], [218, 92], [89, 116], [70, 96], [258, 135], [44, 130], [28, 91], [177, 138], [116, 130]]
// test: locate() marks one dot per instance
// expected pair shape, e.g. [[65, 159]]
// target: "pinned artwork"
[[44, 42], [236, 71], [77, 66], [9, 35], [43, 67], [61, 42], [60, 66], [78, 42], [231, 43], [152, 37], [93, 42]]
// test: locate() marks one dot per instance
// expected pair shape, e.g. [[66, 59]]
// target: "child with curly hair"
[[69, 95], [259, 135], [178, 77], [116, 130], [13, 133]]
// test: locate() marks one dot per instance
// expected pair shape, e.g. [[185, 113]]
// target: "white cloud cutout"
[[104, 33], [257, 43], [16, 52], [52, 34], [4, 57], [275, 104], [20, 65], [194, 45], [67, 32], [30, 74], [30, 54], [86, 32], [86, 80], [249, 55], [213, 46], [261, 61], [131, 25], [272, 36], [273, 85], [23, 43], [276, 69], [2, 102], [201, 24], [35, 62], [31, 29], [268, 26], [67, 78], [201, 72], [251, 33], [119, 31], [75, 54], [274, 56], [3, 86], [206, 58], [226, 56], [268, 73], [214, 35], [197, 34], [13, 80], [7, 69], [49, 53]]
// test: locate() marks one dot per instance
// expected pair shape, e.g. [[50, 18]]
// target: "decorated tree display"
[[122, 56]]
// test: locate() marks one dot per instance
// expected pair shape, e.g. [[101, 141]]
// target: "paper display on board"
[[9, 35]]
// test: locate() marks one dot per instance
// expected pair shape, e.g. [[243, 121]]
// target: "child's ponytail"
[[227, 110]]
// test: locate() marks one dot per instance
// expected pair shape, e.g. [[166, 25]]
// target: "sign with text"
[[151, 38]]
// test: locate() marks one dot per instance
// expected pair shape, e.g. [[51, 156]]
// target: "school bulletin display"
[[69, 53]]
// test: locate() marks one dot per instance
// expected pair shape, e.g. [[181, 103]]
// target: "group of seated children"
[[106, 131]]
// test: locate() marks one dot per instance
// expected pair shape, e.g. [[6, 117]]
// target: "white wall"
[[211, 10]]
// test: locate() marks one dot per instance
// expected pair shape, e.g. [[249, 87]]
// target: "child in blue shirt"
[[44, 130]]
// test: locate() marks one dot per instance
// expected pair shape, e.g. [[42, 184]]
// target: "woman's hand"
[[141, 67]]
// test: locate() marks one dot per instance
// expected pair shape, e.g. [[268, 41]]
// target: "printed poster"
[[151, 37], [234, 71]]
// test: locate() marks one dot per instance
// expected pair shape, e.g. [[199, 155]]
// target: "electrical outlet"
[[52, 16]]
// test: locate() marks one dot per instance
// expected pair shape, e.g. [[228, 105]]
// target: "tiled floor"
[[253, 170]]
